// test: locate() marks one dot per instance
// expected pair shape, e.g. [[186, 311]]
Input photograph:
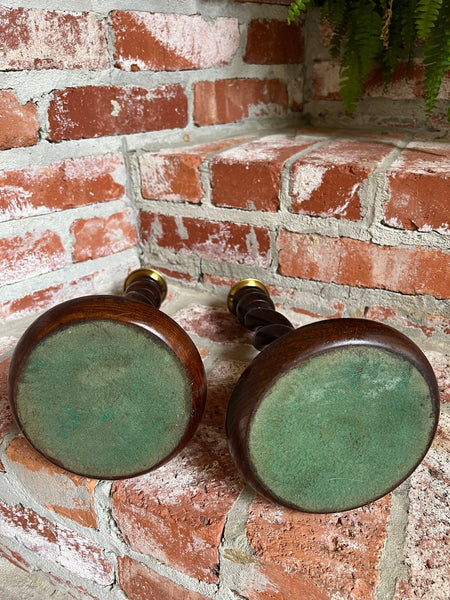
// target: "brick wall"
[[207, 139]]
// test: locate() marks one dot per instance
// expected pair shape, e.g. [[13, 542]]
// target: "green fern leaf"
[[363, 47], [297, 8], [427, 13], [408, 34], [436, 57]]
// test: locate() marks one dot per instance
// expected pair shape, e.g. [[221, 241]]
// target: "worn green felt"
[[104, 398], [341, 429]]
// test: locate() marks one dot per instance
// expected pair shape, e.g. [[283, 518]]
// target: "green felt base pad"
[[104, 399], [341, 429]]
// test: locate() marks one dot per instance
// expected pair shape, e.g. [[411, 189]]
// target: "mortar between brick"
[[392, 567]]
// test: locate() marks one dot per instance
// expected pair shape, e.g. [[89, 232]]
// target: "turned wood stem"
[[146, 286], [249, 300]]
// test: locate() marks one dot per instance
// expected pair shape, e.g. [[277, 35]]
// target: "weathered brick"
[[62, 185], [141, 583], [326, 182], [428, 324], [101, 236], [42, 299], [337, 555], [170, 42], [55, 543], [174, 174], [19, 123], [6, 418], [74, 591], [248, 176], [15, 558], [346, 261], [229, 100], [93, 111], [211, 322], [295, 92], [427, 550], [325, 80], [441, 367], [43, 39], [29, 255], [67, 494], [230, 242], [406, 82], [177, 513], [418, 184], [271, 42], [261, 580]]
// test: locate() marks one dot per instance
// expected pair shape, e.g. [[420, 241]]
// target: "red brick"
[[19, 124], [170, 42], [427, 549], [55, 543], [177, 513], [441, 367], [295, 91], [326, 182], [271, 42], [15, 558], [174, 174], [30, 255], [248, 176], [339, 553], [101, 236], [229, 100], [42, 39], [42, 299], [406, 82], [62, 185], [229, 242], [141, 583], [67, 494], [362, 264], [326, 80], [267, 581], [94, 111], [418, 184], [74, 591], [428, 324], [6, 418], [213, 323]]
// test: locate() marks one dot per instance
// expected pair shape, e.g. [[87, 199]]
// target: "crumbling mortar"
[[392, 564], [234, 538]]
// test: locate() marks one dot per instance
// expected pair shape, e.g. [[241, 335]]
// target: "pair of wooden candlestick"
[[328, 417]]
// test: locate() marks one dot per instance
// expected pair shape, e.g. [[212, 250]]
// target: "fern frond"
[[427, 13], [436, 57], [408, 24], [296, 9], [336, 11], [351, 85]]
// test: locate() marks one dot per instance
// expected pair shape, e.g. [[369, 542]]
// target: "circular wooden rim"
[[128, 312], [269, 367]]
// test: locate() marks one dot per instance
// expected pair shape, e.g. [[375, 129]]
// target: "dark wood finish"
[[144, 293], [284, 348]]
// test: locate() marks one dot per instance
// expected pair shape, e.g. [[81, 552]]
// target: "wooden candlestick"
[[108, 386], [329, 416]]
